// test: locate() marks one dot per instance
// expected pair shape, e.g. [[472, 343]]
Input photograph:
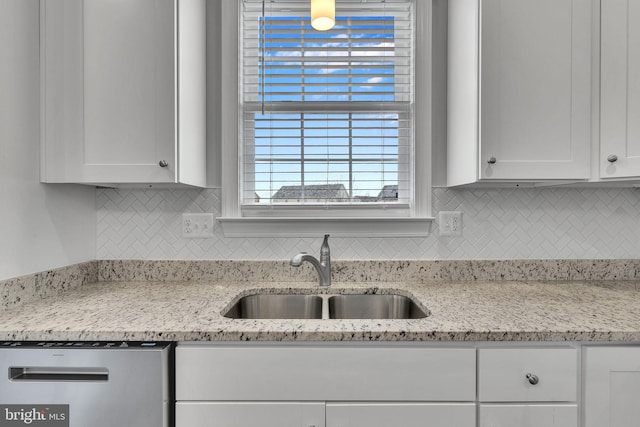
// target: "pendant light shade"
[[323, 14]]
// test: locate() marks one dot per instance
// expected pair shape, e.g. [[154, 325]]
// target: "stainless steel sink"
[[374, 307], [325, 306], [274, 306]]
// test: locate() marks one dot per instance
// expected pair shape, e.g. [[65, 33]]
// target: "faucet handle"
[[325, 252]]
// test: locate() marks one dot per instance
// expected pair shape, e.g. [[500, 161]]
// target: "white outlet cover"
[[450, 223], [197, 226]]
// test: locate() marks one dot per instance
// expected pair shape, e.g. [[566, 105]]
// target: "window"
[[326, 119]]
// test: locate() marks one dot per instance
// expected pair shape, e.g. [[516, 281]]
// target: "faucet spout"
[[323, 267]]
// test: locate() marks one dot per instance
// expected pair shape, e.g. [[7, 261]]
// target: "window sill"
[[317, 226]]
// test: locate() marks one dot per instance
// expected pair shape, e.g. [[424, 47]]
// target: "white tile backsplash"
[[543, 223]]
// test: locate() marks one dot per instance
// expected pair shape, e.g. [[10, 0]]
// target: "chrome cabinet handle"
[[612, 158], [163, 164], [492, 161], [533, 379]]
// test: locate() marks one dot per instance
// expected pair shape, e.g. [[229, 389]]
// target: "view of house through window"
[[326, 116]]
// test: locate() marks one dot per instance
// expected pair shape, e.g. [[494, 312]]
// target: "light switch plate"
[[197, 226], [450, 223]]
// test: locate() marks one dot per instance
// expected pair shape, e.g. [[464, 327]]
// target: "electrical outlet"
[[197, 226], [450, 223]]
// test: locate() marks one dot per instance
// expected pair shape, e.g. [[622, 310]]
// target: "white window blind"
[[327, 116]]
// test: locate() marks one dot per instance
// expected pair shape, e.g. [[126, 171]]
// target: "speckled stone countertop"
[[459, 311]]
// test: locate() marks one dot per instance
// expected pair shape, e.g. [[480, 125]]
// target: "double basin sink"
[[352, 306]]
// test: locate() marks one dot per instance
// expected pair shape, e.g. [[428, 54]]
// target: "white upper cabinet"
[[519, 90], [123, 91], [620, 89]]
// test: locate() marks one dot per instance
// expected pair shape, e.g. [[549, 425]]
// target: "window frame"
[[306, 221]]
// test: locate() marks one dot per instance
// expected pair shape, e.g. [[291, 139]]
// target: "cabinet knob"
[[533, 379], [163, 163], [612, 158], [492, 161]]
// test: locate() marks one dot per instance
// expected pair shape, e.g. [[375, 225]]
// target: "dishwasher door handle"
[[29, 373]]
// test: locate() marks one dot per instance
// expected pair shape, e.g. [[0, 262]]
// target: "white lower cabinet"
[[325, 384], [407, 385], [542, 415], [325, 372], [611, 386], [528, 374], [250, 414], [400, 414], [528, 387], [319, 414]]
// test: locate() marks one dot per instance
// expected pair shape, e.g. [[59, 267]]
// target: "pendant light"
[[323, 14]]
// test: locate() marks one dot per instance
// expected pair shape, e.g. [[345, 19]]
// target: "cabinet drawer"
[[381, 414], [528, 415], [241, 414], [502, 375], [325, 372]]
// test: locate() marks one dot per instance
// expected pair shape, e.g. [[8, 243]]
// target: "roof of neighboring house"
[[324, 191], [388, 192]]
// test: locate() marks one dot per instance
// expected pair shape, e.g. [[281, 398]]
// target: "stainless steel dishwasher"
[[86, 384]]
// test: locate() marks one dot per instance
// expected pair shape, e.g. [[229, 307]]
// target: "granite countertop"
[[459, 311]]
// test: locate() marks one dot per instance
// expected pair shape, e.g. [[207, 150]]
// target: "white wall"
[[41, 226]]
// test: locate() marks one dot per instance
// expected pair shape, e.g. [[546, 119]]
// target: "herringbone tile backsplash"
[[498, 224]]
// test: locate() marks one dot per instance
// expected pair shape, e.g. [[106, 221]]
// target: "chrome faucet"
[[323, 267]]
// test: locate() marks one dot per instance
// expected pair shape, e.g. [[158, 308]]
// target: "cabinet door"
[[398, 414], [611, 386], [109, 85], [254, 414], [535, 89], [528, 415], [620, 90]]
